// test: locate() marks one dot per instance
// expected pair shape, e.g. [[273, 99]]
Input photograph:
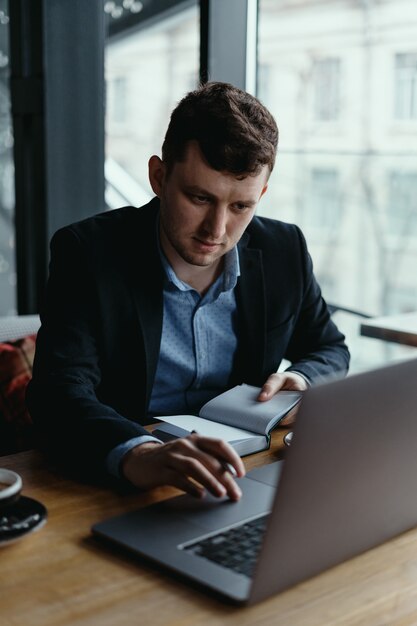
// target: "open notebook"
[[235, 416]]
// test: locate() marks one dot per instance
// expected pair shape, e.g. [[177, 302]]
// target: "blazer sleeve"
[[62, 396], [317, 348]]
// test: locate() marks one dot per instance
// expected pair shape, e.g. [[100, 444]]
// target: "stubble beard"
[[200, 260], [190, 257]]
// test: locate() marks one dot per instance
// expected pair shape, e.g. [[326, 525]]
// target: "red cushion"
[[16, 362]]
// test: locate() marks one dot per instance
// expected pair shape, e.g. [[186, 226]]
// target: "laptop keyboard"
[[236, 548]]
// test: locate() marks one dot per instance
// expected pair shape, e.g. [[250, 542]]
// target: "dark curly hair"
[[234, 130]]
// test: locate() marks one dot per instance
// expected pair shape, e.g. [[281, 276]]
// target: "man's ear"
[[156, 172], [263, 190]]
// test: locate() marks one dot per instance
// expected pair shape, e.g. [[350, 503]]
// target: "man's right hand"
[[193, 464]]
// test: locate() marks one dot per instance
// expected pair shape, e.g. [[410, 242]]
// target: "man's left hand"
[[278, 382]]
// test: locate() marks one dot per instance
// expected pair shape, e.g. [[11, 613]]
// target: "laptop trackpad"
[[268, 474], [212, 513]]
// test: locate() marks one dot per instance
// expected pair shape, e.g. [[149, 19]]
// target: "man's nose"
[[215, 222]]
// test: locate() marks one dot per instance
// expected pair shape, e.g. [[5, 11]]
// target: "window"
[[324, 202], [406, 86], [327, 89], [325, 59], [401, 299], [148, 70], [7, 240], [402, 204], [117, 100]]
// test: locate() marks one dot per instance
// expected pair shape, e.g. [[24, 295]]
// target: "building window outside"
[[118, 99], [7, 239], [147, 73], [402, 204], [323, 209], [406, 86], [331, 179], [263, 78], [327, 89], [402, 294]]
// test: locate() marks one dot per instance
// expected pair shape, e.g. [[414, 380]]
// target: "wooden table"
[[397, 328], [61, 575]]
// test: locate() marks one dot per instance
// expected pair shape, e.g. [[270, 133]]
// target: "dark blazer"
[[98, 346]]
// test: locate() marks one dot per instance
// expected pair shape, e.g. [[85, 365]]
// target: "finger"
[[164, 464], [279, 381], [182, 460], [219, 459], [225, 463], [195, 489], [185, 484], [224, 452], [193, 468], [232, 489], [272, 385]]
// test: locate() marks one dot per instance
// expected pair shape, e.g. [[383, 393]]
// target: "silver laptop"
[[347, 484]]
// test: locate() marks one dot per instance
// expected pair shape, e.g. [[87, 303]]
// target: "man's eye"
[[200, 199], [241, 207]]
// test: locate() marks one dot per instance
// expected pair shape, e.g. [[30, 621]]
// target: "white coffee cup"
[[10, 488]]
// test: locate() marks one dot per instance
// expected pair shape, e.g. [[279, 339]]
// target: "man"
[[155, 310]]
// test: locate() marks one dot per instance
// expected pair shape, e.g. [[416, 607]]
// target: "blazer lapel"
[[147, 289], [250, 296]]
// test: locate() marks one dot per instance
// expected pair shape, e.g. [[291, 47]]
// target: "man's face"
[[203, 212]]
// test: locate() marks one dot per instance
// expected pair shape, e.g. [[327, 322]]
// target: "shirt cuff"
[[301, 375], [115, 456]]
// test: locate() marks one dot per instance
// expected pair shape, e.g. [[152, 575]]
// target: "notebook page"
[[206, 427]]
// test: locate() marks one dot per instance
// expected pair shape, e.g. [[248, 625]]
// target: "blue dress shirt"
[[198, 345]]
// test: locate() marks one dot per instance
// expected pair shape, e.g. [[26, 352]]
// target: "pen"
[[229, 468], [226, 466]]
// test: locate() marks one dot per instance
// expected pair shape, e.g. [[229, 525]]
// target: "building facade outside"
[[341, 79]]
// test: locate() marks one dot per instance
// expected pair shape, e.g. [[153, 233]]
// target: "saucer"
[[20, 519]]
